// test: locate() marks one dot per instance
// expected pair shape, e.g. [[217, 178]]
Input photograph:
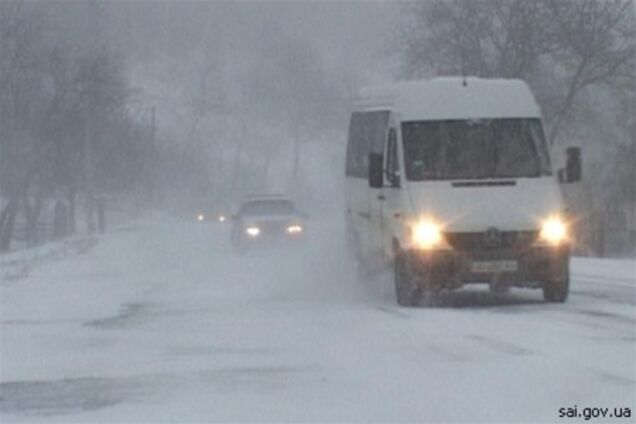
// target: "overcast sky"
[[163, 40], [353, 35]]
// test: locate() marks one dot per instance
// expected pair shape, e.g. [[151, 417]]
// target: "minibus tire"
[[407, 292], [556, 290], [499, 291]]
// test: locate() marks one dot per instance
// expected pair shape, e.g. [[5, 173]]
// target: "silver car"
[[267, 219]]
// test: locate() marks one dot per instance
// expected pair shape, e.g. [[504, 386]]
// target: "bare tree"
[[597, 45], [561, 47], [20, 30], [62, 116]]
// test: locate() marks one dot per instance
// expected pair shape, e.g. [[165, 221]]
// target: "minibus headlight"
[[554, 230], [427, 234], [200, 217], [253, 231]]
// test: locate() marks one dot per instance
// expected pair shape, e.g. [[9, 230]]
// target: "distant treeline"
[[72, 129]]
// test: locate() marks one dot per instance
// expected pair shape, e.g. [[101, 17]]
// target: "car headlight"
[[554, 230], [200, 217], [295, 229], [221, 218], [427, 234], [253, 231]]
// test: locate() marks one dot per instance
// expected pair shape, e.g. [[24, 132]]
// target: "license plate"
[[494, 266]]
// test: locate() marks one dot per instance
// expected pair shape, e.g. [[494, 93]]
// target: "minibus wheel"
[[556, 289], [499, 289], [406, 290]]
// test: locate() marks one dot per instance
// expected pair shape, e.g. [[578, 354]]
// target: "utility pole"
[[94, 18], [153, 124], [153, 131], [88, 168]]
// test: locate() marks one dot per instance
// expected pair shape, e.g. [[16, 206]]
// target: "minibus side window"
[[367, 134]]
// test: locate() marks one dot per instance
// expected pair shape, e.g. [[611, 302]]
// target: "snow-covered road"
[[161, 322]]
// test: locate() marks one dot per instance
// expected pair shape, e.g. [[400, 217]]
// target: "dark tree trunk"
[[60, 220], [7, 221], [90, 213], [101, 215], [72, 222], [32, 215]]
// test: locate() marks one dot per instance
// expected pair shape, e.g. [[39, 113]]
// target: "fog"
[[192, 227], [222, 99], [260, 76], [245, 86]]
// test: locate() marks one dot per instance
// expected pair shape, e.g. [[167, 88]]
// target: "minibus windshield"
[[475, 149]]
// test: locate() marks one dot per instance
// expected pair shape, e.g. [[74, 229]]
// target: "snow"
[[613, 270], [448, 98], [161, 322]]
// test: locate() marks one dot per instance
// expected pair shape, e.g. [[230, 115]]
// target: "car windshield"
[[268, 207], [474, 149]]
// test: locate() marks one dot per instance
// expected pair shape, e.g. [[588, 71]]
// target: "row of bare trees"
[[234, 110], [55, 98], [71, 133], [250, 104], [579, 57]]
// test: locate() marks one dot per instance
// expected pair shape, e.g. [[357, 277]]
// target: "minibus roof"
[[452, 98]]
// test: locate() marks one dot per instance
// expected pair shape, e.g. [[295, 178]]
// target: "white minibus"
[[450, 180]]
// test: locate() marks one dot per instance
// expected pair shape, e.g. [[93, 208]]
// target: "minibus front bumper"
[[528, 267]]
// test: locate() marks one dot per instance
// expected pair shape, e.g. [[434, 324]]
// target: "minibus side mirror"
[[572, 171], [376, 171]]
